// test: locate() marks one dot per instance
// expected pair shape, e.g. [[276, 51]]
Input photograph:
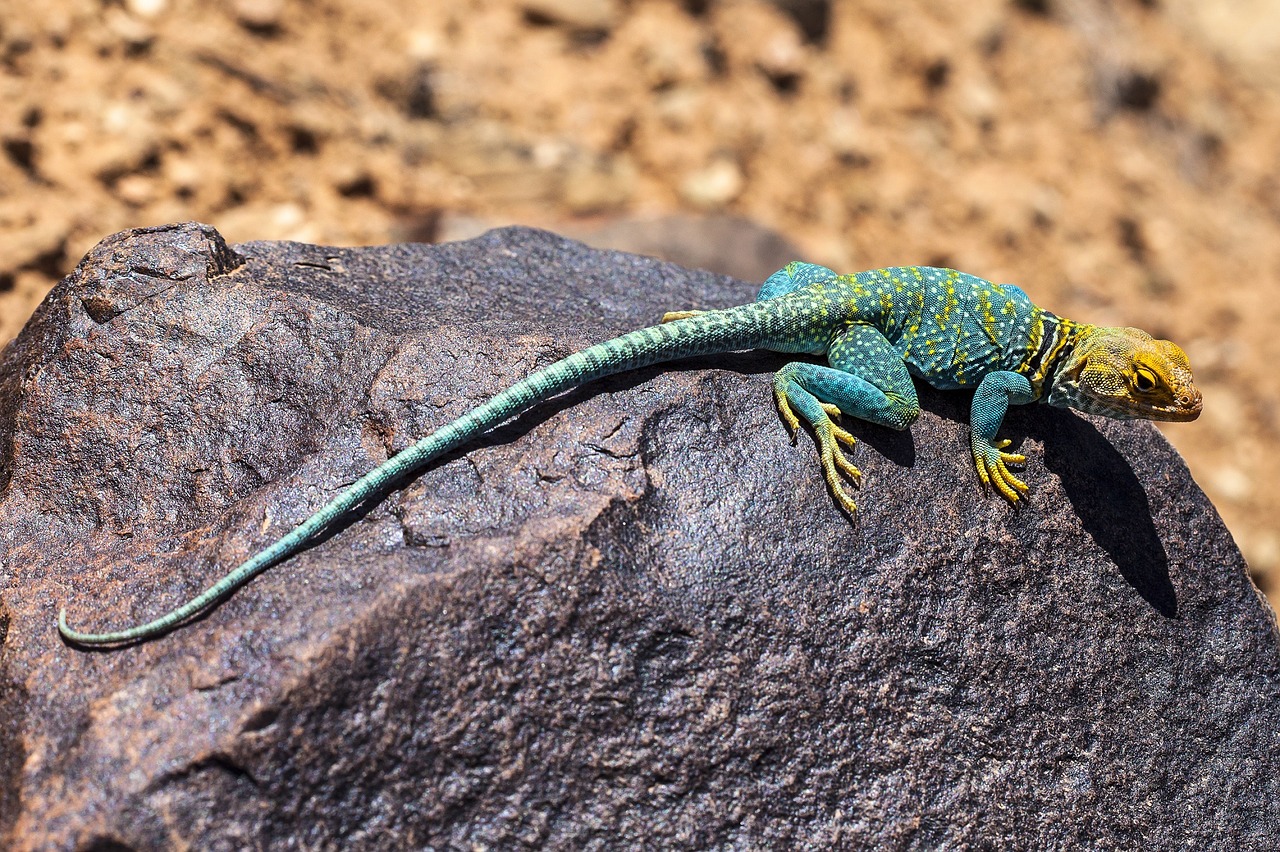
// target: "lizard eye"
[[1144, 380]]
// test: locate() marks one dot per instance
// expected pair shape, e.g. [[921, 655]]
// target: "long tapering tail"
[[745, 327]]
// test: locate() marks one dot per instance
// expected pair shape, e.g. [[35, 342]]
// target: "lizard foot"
[[836, 467], [835, 463], [992, 469], [839, 434], [787, 413]]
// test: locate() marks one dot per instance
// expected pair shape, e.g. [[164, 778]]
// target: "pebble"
[[578, 14], [258, 14], [146, 8], [136, 190], [425, 46], [714, 185], [1231, 483], [135, 33]]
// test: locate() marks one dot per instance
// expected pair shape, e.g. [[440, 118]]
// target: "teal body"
[[948, 328], [875, 330]]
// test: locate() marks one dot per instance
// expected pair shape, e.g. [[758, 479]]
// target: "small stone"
[[258, 14], [424, 45], [136, 190], [136, 34], [288, 216], [1046, 204], [184, 174], [577, 14], [679, 107], [146, 8], [713, 186], [1263, 552], [551, 153], [1231, 483], [844, 130], [978, 100], [666, 61], [783, 54]]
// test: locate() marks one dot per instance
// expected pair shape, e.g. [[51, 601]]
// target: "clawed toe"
[[843, 437], [836, 464], [788, 414], [842, 497], [993, 469], [847, 467]]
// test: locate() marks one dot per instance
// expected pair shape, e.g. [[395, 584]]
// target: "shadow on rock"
[[1110, 501]]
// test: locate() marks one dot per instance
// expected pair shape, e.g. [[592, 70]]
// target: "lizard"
[[876, 330]]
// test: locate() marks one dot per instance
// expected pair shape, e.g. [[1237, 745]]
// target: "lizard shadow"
[[1106, 495], [1104, 492]]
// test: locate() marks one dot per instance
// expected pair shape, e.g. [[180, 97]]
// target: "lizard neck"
[[1052, 344]]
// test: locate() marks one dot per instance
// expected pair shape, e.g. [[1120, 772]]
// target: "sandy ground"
[[1117, 160]]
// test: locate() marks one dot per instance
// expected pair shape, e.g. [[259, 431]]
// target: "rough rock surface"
[[630, 617], [1117, 159]]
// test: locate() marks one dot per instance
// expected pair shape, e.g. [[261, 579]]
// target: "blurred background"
[[1116, 159]]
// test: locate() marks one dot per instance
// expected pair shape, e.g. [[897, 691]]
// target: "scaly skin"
[[876, 330]]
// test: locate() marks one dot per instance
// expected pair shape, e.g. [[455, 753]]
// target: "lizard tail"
[[745, 327]]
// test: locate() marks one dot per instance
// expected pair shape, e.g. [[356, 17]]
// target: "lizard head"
[[1126, 374]]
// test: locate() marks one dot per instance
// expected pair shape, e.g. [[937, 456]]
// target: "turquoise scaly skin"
[[876, 330]]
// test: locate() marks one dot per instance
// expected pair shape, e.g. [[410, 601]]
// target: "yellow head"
[[1126, 374]]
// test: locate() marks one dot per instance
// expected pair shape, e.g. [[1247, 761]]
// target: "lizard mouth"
[[1183, 409]]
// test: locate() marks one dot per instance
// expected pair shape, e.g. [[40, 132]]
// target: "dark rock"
[[631, 617]]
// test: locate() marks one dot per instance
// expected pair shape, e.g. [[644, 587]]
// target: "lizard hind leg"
[[867, 379], [796, 402]]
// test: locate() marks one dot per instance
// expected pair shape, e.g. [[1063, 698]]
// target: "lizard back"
[[950, 328]]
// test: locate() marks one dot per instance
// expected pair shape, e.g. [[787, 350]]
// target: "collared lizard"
[[876, 330]]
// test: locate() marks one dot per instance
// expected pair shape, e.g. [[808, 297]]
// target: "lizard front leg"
[[995, 394]]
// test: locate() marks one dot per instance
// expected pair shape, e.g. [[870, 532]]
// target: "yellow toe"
[[843, 436]]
